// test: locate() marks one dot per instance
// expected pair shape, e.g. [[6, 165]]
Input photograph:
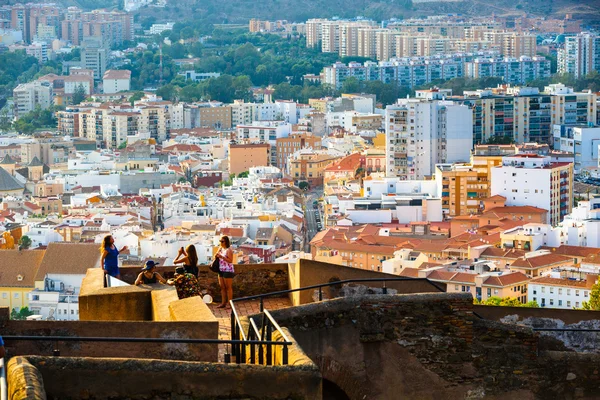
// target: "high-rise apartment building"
[[28, 96], [581, 54], [523, 114], [94, 56], [513, 70], [534, 180], [314, 32], [461, 189], [421, 133]]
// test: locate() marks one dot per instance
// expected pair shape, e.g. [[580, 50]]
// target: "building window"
[[456, 287], [585, 293], [577, 293], [495, 291], [568, 292], [543, 289], [576, 304], [4, 295], [568, 303], [16, 295], [551, 290], [560, 302], [551, 302], [559, 290]]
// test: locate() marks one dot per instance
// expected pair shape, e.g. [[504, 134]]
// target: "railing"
[[57, 339], [263, 336]]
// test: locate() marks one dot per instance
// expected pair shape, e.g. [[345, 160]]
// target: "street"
[[313, 218]]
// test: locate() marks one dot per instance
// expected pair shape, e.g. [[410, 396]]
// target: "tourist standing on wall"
[[226, 271], [110, 256], [189, 258]]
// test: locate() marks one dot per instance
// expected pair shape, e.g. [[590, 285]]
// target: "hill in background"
[[240, 11]]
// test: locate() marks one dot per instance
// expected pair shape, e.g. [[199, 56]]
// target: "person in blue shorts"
[[110, 256]]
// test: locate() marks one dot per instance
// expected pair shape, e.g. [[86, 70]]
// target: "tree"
[[243, 174], [594, 303], [79, 94], [24, 242], [303, 185], [123, 145], [22, 314]]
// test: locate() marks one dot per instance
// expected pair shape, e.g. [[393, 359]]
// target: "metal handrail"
[[322, 285], [268, 322], [564, 330], [134, 340]]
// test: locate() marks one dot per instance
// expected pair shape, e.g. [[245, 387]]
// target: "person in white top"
[[226, 271]]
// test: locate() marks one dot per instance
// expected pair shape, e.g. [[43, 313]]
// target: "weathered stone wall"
[[384, 347], [24, 380], [131, 329], [98, 379], [250, 279], [551, 318], [518, 314], [308, 272], [431, 346]]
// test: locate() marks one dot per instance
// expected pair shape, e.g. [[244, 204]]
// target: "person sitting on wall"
[[149, 275], [186, 284]]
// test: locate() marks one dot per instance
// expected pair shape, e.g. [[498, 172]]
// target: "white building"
[[73, 82], [581, 141], [28, 96], [198, 76], [387, 199], [115, 81], [554, 291], [533, 180], [157, 29], [58, 280], [580, 55], [421, 133], [42, 234]]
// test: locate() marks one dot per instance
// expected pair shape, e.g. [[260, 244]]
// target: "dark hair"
[[192, 255], [105, 243], [227, 241]]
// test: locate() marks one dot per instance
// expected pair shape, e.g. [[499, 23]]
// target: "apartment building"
[[581, 141], [523, 114], [28, 96], [580, 55], [486, 157], [423, 132], [287, 146], [94, 56], [513, 70], [561, 292], [533, 180], [309, 165], [115, 81], [461, 189], [407, 71], [242, 157]]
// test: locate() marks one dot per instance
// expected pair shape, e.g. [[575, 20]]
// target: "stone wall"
[[24, 381], [551, 318], [431, 346], [384, 347], [130, 329], [250, 279], [106, 378], [308, 272]]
